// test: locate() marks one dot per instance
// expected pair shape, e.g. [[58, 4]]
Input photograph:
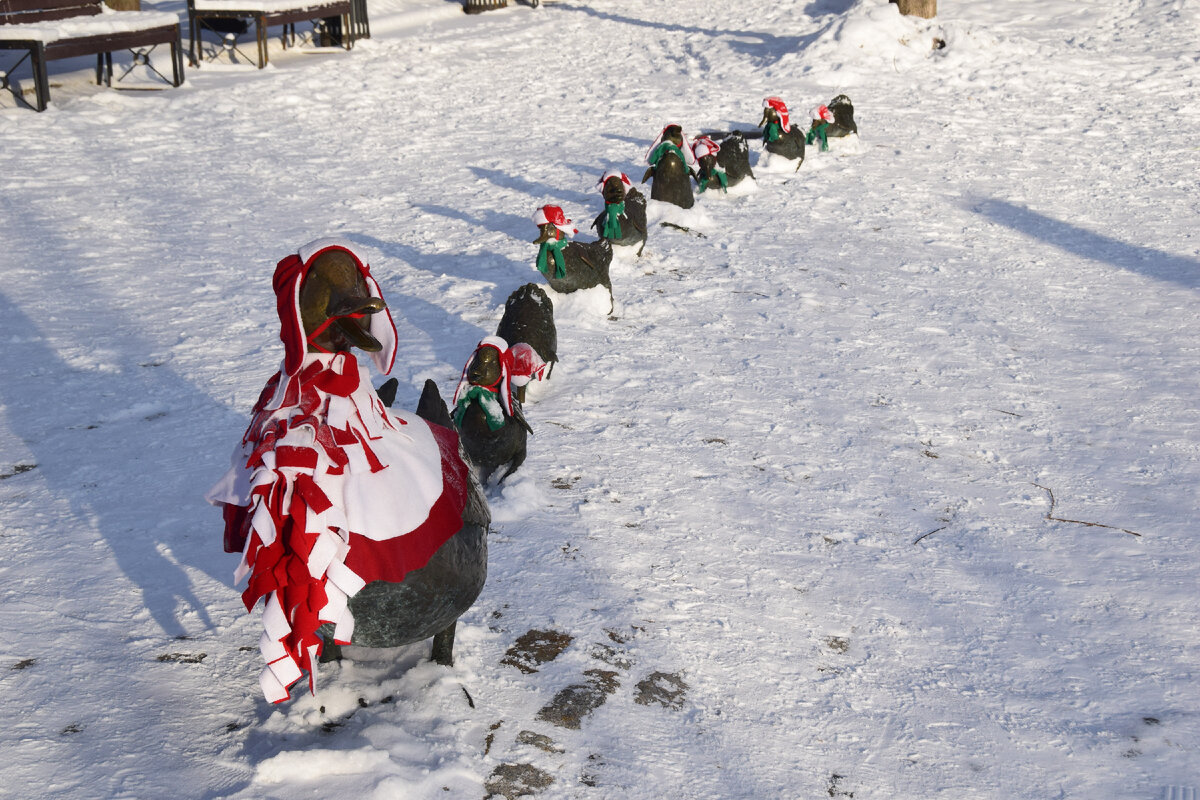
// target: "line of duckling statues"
[[678, 168], [363, 525]]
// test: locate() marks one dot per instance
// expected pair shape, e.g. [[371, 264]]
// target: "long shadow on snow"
[[1131, 257], [450, 336], [538, 191], [97, 458], [765, 50]]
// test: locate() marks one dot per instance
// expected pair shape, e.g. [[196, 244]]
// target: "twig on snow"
[[1002, 411], [1050, 515], [681, 228], [931, 533]]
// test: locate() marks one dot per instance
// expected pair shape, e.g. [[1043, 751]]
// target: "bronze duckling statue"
[[672, 164], [623, 220], [489, 418], [780, 137], [569, 266]]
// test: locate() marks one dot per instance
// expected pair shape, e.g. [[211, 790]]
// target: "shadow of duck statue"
[[490, 420], [623, 220], [570, 266], [357, 525], [672, 163]]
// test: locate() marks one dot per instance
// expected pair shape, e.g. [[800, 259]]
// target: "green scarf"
[[662, 150], [554, 248], [819, 133], [612, 222], [772, 132], [721, 177], [493, 412]]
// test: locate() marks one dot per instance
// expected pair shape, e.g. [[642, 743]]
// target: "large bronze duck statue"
[[356, 524]]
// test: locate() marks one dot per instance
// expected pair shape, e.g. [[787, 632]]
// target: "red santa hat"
[[780, 109], [553, 215], [821, 113], [519, 364], [688, 156], [612, 173], [704, 146], [289, 277]]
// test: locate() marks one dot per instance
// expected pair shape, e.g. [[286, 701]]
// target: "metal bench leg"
[[192, 53], [177, 61], [41, 81]]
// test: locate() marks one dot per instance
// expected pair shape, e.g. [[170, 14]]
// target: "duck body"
[[429, 601], [671, 182], [490, 450], [529, 317], [789, 145], [632, 220], [843, 117], [587, 265]]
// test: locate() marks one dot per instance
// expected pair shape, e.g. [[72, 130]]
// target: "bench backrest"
[[16, 11]]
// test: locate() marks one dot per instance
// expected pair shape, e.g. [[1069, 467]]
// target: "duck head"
[[485, 368], [546, 233], [673, 134], [336, 306], [614, 190]]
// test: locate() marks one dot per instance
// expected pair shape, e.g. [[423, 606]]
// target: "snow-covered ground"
[[801, 482]]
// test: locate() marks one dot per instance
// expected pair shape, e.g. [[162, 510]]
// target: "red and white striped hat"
[[289, 277], [704, 146], [553, 215], [612, 173], [821, 113], [781, 109]]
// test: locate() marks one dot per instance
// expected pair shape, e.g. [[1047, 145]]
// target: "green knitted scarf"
[[488, 400], [612, 220], [721, 177], [662, 150], [555, 249], [818, 133]]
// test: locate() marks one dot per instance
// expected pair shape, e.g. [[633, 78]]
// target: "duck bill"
[[357, 335]]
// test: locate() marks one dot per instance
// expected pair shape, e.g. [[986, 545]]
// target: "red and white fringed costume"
[[330, 490]]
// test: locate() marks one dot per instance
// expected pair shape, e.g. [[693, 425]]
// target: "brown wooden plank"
[[50, 14], [111, 42], [25, 6], [306, 13]]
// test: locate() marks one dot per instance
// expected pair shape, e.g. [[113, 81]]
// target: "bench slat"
[[110, 42], [49, 14], [8, 7]]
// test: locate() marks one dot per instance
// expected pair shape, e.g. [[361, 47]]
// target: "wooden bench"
[[230, 17], [54, 29]]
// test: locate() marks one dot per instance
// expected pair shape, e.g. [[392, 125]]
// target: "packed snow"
[[879, 481]]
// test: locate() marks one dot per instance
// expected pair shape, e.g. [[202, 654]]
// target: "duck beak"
[[354, 330]]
